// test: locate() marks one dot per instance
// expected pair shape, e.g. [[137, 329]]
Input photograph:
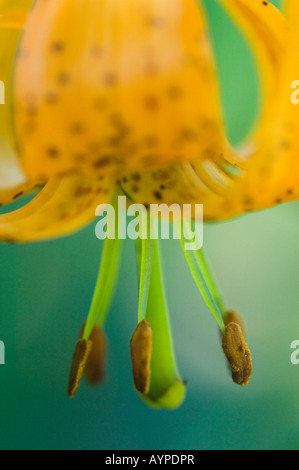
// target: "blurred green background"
[[45, 295]]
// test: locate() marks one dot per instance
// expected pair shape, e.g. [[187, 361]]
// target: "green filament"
[[203, 277], [106, 282], [145, 256]]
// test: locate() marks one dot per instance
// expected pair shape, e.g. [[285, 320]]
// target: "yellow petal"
[[266, 30], [180, 184], [13, 13], [12, 194], [272, 176], [62, 207], [223, 191], [13, 182], [107, 84]]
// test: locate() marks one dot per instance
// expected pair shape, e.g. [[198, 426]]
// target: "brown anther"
[[80, 357], [141, 352], [232, 316], [94, 371], [237, 353]]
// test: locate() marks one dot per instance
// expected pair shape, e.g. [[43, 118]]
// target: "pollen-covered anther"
[[94, 371], [141, 352], [237, 353], [79, 361]]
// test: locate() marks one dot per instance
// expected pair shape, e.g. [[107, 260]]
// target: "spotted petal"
[[222, 189], [128, 84], [13, 181], [62, 207]]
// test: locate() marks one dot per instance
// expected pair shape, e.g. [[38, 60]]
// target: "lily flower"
[[108, 98]]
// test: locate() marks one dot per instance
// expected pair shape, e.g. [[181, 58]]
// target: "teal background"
[[45, 294]]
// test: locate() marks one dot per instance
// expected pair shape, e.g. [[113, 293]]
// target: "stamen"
[[141, 352], [94, 372], [141, 341], [80, 357], [145, 255], [106, 281], [90, 351], [166, 389], [232, 316], [237, 353], [105, 286], [234, 345], [210, 280], [202, 276]]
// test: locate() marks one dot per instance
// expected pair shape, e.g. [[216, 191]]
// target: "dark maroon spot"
[[156, 22], [158, 195], [53, 152], [51, 97], [57, 47], [81, 191], [110, 79], [16, 196], [103, 162], [63, 78], [151, 103], [77, 128], [136, 177]]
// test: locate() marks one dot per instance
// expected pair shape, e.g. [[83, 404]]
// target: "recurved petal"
[[13, 181], [62, 207], [203, 182], [268, 166], [128, 84], [272, 176], [13, 13], [266, 30], [12, 194]]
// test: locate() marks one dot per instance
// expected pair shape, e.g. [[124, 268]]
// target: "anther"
[[232, 316], [237, 353], [80, 357], [94, 371], [141, 352]]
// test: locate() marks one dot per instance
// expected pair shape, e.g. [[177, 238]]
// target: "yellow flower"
[[104, 97]]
